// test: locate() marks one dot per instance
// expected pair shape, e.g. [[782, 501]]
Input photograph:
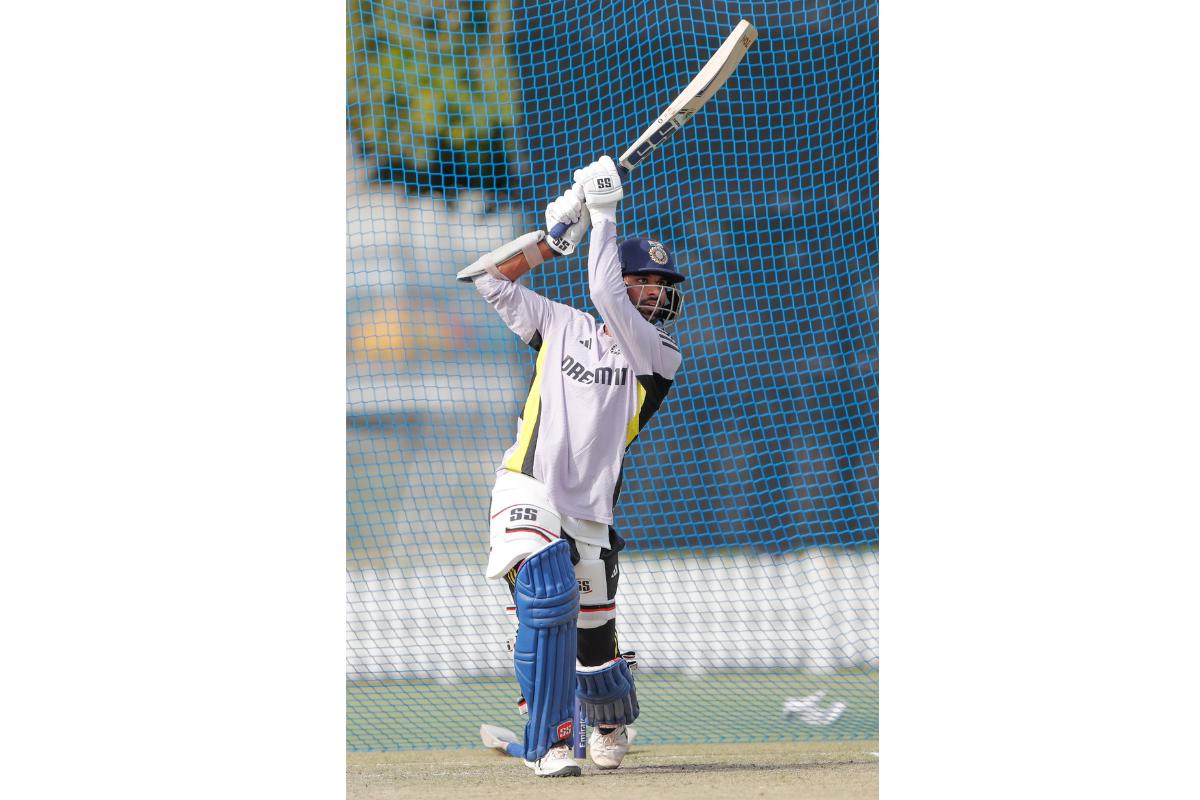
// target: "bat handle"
[[558, 230]]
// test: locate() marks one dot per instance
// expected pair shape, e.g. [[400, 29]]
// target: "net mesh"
[[750, 579]]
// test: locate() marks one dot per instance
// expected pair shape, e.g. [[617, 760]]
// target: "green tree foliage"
[[432, 90]]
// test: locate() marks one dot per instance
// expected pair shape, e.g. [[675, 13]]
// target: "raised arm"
[[495, 274], [641, 341], [650, 351], [522, 254], [524, 311]]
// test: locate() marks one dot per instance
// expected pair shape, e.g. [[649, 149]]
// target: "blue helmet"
[[640, 256]]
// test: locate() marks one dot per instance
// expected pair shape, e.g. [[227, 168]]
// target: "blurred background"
[[750, 504]]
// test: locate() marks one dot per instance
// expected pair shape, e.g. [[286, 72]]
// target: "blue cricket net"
[[749, 584]]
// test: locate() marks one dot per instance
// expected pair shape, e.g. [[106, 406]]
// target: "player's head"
[[651, 280]]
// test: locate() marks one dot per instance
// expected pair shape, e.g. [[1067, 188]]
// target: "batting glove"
[[601, 186], [570, 210]]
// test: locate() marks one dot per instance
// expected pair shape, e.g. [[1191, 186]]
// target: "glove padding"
[[568, 209], [601, 186]]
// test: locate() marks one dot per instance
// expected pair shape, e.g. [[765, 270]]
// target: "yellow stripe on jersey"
[[631, 431], [529, 417]]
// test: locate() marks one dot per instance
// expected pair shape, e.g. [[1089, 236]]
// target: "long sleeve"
[[524, 311], [651, 352]]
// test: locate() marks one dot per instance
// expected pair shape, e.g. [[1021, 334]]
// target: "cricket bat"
[[707, 82]]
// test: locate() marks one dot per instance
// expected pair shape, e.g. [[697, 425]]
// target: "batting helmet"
[[640, 256]]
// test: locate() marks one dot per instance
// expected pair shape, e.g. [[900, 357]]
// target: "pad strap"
[[607, 693]]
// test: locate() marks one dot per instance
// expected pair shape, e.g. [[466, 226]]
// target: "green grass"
[[720, 707]]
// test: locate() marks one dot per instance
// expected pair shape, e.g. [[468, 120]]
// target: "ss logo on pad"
[[518, 514]]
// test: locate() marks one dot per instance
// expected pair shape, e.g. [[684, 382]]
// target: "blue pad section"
[[547, 599], [607, 693]]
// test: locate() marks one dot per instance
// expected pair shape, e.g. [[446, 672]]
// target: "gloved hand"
[[601, 187], [568, 209]]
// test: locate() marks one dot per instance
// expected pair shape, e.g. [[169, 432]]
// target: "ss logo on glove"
[[603, 183]]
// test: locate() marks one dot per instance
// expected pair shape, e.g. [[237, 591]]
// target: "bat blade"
[[707, 82]]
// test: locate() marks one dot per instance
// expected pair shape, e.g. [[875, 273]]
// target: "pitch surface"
[[812, 770]]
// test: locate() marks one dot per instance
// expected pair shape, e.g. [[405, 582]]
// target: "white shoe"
[[557, 763], [609, 749]]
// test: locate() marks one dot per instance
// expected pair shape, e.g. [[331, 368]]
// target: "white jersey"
[[595, 385]]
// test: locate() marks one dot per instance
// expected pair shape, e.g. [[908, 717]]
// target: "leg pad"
[[547, 600]]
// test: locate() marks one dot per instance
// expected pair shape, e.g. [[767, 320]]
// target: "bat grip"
[[558, 230]]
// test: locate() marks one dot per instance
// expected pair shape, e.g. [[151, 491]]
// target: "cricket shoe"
[[557, 763], [609, 749]]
